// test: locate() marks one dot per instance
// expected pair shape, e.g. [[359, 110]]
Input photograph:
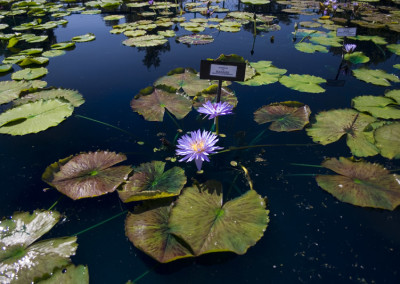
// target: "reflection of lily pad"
[[22, 260], [201, 219], [148, 229], [356, 57], [377, 77], [153, 106], [285, 116], [29, 73], [388, 140], [310, 48], [381, 107], [87, 174], [195, 39], [361, 183], [10, 90], [331, 125], [34, 117], [303, 83], [150, 182], [72, 96]]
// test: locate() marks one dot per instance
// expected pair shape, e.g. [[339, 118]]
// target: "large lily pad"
[[29, 73], [395, 48], [69, 275], [310, 48], [87, 174], [377, 77], [201, 219], [387, 139], [150, 181], [285, 116], [21, 261], [145, 41], [266, 74], [361, 183], [72, 96], [377, 106], [303, 83], [356, 57], [10, 90], [327, 41], [34, 117], [153, 106], [195, 39], [394, 94], [148, 229], [188, 80], [331, 125]]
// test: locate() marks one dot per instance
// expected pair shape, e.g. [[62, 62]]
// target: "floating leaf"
[[331, 125], [145, 41], [135, 33], [34, 117], [87, 174], [153, 106], [356, 57], [394, 94], [72, 96], [303, 83], [387, 140], [266, 74], [151, 182], [310, 48], [256, 2], [361, 183], [327, 41], [37, 39], [377, 106], [377, 77], [69, 274], [167, 33], [285, 116], [195, 39], [148, 229], [63, 45], [201, 219], [29, 73], [113, 17], [374, 39], [84, 38], [5, 68], [10, 90], [227, 95], [53, 53], [33, 60], [395, 48]]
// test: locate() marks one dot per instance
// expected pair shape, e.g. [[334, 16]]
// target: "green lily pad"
[[145, 41], [29, 73], [331, 125], [84, 38], [394, 94], [256, 2], [87, 174], [266, 74], [33, 60], [374, 39], [113, 17], [376, 77], [188, 80], [149, 181], [310, 48], [148, 229], [53, 53], [303, 83], [91, 12], [30, 51], [167, 33], [309, 24], [10, 90], [195, 39], [21, 260], [34, 117], [135, 33], [153, 106], [356, 57], [387, 139], [37, 39], [63, 45], [200, 218], [381, 107], [361, 183], [72, 96], [285, 116], [394, 48], [69, 274], [5, 68], [327, 41], [210, 94]]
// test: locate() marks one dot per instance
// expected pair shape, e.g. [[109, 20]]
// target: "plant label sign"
[[216, 70], [346, 32]]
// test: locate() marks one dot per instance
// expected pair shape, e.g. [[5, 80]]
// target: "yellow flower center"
[[198, 146]]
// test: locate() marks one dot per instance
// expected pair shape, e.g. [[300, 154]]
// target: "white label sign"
[[346, 32], [223, 70]]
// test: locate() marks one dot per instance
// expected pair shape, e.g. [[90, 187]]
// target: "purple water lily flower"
[[349, 48], [197, 147], [215, 109], [151, 2]]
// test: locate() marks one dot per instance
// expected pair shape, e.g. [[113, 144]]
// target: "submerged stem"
[[257, 146], [173, 119], [104, 123], [55, 203], [100, 223], [307, 165]]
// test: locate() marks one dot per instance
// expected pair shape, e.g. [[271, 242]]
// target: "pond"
[[291, 228]]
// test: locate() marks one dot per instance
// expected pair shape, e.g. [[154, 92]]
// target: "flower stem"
[[307, 165], [104, 123], [55, 203], [257, 146], [173, 119], [100, 223]]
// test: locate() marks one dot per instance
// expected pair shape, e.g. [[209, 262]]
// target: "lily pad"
[[256, 2], [29, 73], [148, 229], [69, 274], [150, 181], [361, 183], [210, 94], [72, 96], [387, 139], [167, 33], [33, 60], [63, 45], [36, 39], [53, 53], [10, 90], [153, 106], [113, 17], [376, 77], [331, 125], [381, 107], [356, 57], [310, 48], [145, 41], [195, 39], [285, 116], [87, 174], [34, 117], [303, 83], [188, 80], [266, 74], [5, 68], [21, 260], [202, 220], [395, 48], [327, 41], [84, 38], [394, 94]]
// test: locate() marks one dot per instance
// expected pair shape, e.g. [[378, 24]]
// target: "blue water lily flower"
[[349, 48], [197, 146], [215, 109]]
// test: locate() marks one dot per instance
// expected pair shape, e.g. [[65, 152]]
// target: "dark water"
[[311, 237]]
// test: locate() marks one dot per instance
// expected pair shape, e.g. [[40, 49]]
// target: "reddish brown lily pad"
[[285, 116], [87, 174], [361, 183]]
